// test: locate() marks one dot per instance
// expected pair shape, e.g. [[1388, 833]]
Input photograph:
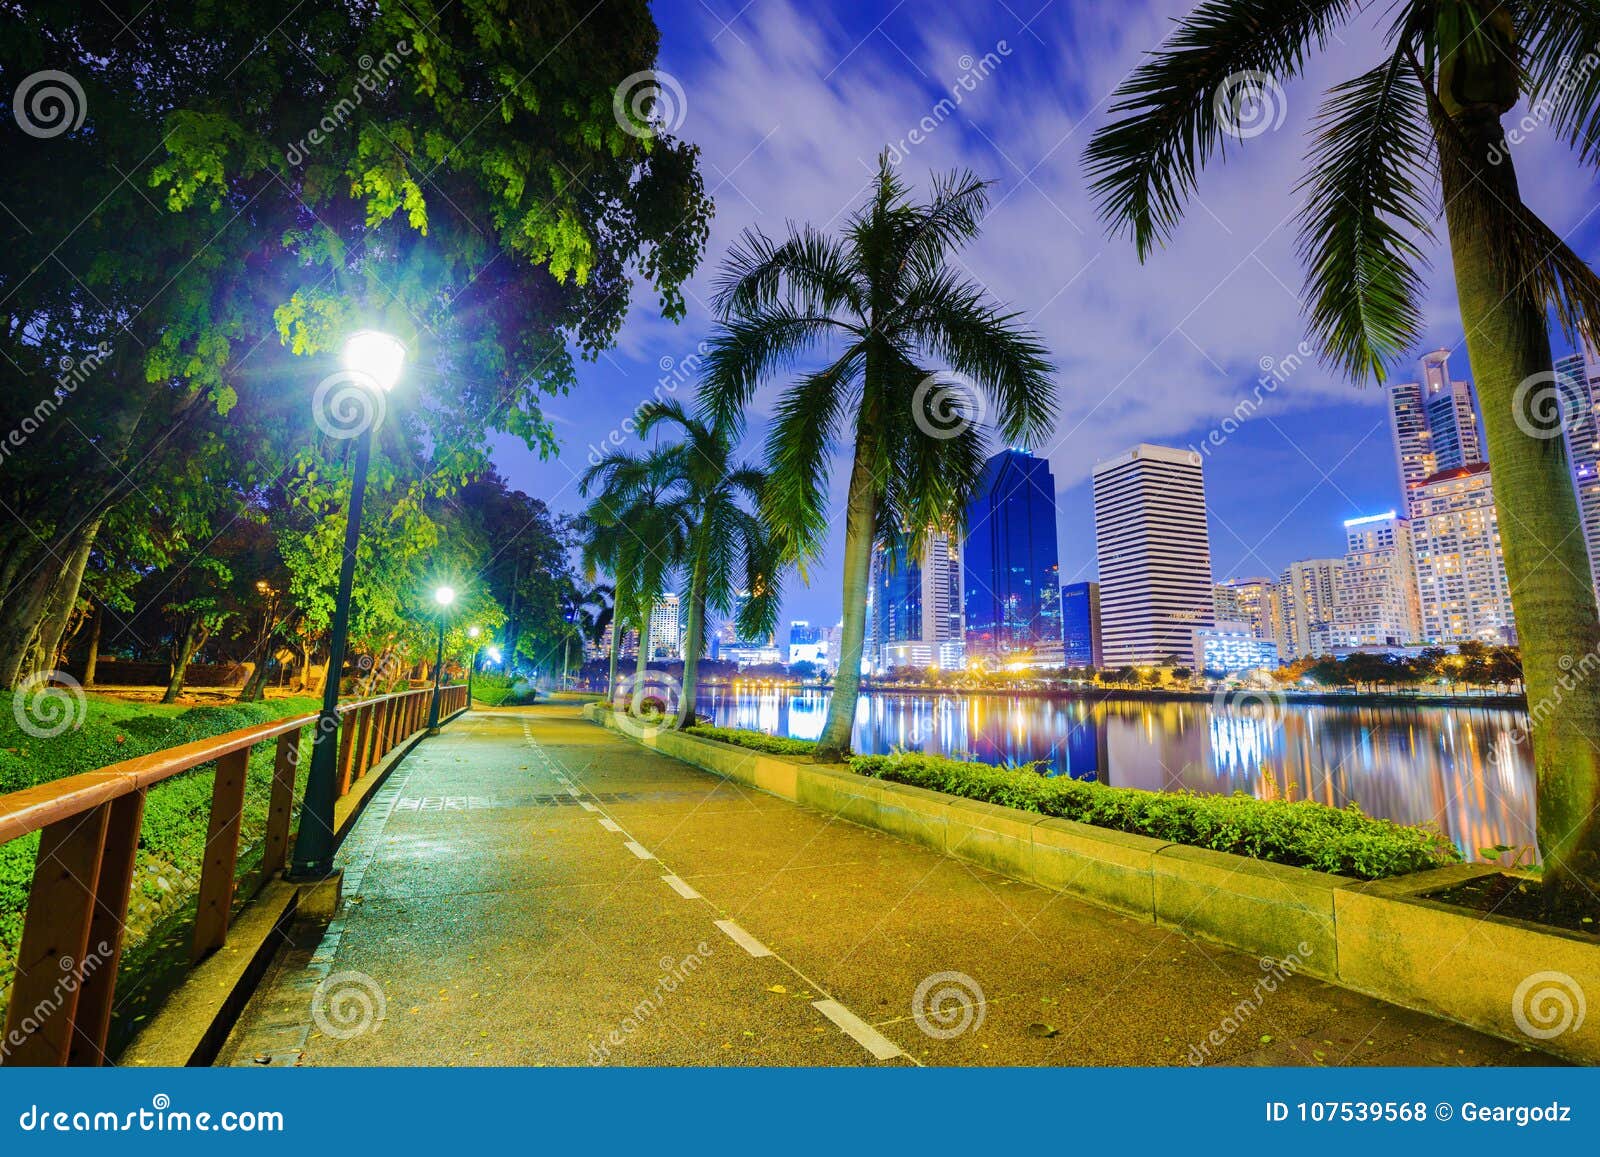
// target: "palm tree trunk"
[[1546, 563], [641, 670], [860, 528], [693, 640], [616, 649]]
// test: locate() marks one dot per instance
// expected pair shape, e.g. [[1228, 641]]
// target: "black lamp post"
[[444, 596], [372, 361], [472, 633]]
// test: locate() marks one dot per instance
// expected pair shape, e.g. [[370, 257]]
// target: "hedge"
[[1303, 834], [756, 740]]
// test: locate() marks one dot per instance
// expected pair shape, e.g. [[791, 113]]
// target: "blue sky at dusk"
[[791, 104]]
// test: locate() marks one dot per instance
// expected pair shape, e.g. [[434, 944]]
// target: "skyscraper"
[[1080, 625], [916, 602], [1245, 600], [666, 636], [1012, 571], [1154, 553], [1461, 572], [1579, 381], [1308, 600], [1434, 424], [1377, 603]]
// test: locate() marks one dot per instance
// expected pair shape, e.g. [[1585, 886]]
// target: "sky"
[[792, 103]]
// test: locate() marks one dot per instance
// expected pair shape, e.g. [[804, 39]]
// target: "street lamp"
[[444, 597], [373, 360], [472, 633]]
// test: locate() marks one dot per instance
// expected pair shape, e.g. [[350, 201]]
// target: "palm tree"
[[880, 304], [638, 532], [1452, 69], [726, 539]]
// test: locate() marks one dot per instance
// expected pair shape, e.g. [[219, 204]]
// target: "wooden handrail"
[[63, 994]]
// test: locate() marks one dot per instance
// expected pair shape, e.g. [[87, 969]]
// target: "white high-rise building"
[[1377, 602], [1579, 378], [915, 605], [1154, 553], [1434, 424], [1245, 600], [666, 629], [1308, 601], [1461, 573]]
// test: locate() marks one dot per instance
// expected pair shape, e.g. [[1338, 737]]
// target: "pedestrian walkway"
[[532, 889]]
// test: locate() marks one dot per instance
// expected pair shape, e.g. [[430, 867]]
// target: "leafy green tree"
[[888, 305], [1432, 106]]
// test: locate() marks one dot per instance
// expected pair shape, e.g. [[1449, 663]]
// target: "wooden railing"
[[65, 986]]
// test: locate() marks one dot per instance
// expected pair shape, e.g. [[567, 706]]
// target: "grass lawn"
[[172, 841]]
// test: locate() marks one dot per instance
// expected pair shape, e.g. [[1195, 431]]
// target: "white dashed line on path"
[[681, 888], [609, 824], [743, 939], [639, 850], [857, 1029]]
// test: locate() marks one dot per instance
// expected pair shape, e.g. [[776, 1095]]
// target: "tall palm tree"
[[639, 533], [881, 307], [728, 545], [1433, 105]]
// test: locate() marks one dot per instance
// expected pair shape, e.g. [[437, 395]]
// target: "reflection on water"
[[1463, 768]]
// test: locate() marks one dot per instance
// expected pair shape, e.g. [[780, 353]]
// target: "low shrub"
[[755, 740], [503, 691], [1301, 834]]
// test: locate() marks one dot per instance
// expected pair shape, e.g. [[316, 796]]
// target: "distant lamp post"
[[472, 633], [374, 360], [444, 597]]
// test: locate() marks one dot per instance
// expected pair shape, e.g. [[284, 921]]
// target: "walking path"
[[532, 889]]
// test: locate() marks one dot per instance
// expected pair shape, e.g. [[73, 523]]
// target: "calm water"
[[1466, 769]]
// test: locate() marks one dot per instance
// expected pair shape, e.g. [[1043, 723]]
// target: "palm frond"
[[1561, 63], [807, 420], [1145, 165], [1365, 206], [809, 270], [747, 349]]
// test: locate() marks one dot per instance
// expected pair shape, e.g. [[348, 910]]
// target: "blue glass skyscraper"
[[1012, 567], [1080, 624]]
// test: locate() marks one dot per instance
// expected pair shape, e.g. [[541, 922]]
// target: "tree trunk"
[[193, 635], [616, 650], [641, 672], [1546, 563], [92, 656], [860, 528], [693, 641]]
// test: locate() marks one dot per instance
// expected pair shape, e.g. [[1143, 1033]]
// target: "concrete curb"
[[1383, 938]]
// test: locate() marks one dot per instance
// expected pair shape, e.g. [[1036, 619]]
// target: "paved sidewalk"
[[531, 889]]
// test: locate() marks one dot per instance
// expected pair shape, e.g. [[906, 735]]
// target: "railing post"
[[106, 929], [347, 751], [366, 754], [386, 732], [55, 936], [281, 804], [222, 853]]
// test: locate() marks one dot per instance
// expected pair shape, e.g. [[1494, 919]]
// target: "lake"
[[1466, 769]]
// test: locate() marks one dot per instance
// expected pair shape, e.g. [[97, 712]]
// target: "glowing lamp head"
[[375, 355], [494, 654], [473, 632], [444, 596]]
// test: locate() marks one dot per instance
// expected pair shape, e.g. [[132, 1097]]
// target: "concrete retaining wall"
[[1380, 938]]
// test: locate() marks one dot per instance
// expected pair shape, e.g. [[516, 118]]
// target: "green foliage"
[[1300, 834], [495, 690], [755, 740]]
